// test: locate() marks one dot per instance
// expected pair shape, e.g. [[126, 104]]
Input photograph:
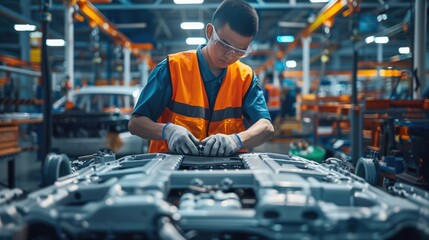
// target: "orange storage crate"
[[9, 137]]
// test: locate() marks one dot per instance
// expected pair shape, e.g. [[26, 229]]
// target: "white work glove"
[[179, 139], [221, 145]]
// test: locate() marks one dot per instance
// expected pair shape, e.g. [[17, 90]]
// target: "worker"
[[272, 95], [206, 101], [288, 101]]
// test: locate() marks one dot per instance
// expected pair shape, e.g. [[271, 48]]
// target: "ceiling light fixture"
[[55, 42], [404, 50], [24, 27], [292, 24], [369, 39], [381, 17], [196, 41], [319, 1], [285, 39], [291, 64], [131, 25], [382, 40], [188, 1], [192, 25], [36, 34]]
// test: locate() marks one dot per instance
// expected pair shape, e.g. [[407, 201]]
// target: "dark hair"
[[241, 17]]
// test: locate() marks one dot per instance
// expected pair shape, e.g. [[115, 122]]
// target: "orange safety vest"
[[274, 102], [189, 105]]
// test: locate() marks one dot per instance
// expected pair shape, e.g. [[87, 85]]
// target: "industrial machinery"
[[247, 196]]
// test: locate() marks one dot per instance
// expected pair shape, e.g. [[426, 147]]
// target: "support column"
[[420, 46], [127, 66], [379, 84], [24, 37], [306, 65], [355, 112], [69, 47], [336, 61], [23, 82], [144, 68], [46, 84]]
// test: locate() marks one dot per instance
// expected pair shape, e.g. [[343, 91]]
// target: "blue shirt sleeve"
[[156, 95], [266, 95], [254, 105]]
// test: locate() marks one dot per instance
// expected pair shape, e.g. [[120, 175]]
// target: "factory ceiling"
[[158, 22]]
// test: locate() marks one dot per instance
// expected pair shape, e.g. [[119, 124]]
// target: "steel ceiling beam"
[[19, 18], [20, 71], [388, 32], [162, 24], [329, 11], [258, 6], [96, 18], [13, 61]]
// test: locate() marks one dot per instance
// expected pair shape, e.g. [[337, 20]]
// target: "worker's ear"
[[209, 31]]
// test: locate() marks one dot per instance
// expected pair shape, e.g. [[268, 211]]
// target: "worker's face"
[[226, 46]]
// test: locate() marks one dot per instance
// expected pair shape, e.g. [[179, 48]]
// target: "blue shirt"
[[157, 93]]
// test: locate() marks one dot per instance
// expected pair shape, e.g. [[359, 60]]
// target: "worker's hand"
[[221, 145], [179, 139]]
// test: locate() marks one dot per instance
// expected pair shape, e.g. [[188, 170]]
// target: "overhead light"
[[404, 50], [192, 25], [24, 27], [196, 41], [369, 39], [381, 17], [131, 25], [382, 40], [101, 1], [188, 1], [285, 39], [327, 30], [292, 24], [36, 34], [55, 42], [291, 64], [319, 1], [311, 18]]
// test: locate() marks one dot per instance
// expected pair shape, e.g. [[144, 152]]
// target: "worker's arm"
[[144, 127], [256, 113], [153, 100], [257, 134]]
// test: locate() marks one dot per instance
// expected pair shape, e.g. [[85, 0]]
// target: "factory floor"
[[28, 169]]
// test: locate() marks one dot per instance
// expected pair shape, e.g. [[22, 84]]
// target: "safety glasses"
[[229, 50]]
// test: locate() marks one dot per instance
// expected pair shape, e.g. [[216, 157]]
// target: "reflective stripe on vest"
[[274, 101], [189, 105]]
